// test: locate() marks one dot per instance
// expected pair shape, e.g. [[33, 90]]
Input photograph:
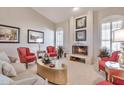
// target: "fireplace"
[[81, 50]]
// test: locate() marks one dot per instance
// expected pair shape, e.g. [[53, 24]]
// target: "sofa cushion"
[[26, 81], [4, 80], [22, 75], [19, 67], [29, 74], [8, 69], [0, 68], [4, 57]]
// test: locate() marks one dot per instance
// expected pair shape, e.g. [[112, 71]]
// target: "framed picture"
[[81, 22], [34, 35], [81, 35], [9, 34]]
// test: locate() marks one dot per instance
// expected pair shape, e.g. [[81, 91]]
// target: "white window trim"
[[110, 32]]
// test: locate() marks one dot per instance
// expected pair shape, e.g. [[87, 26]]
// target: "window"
[[59, 37], [107, 35]]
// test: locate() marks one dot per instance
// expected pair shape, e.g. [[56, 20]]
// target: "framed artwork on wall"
[[81, 35], [35, 36], [81, 22], [9, 34]]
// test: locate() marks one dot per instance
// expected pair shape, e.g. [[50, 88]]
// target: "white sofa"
[[24, 76]]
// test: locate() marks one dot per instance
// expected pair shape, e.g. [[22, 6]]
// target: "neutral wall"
[[99, 16], [26, 18]]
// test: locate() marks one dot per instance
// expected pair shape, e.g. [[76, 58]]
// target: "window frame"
[[111, 32], [59, 30]]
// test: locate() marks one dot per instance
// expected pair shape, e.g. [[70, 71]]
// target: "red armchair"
[[102, 62], [104, 83], [25, 55], [51, 51], [116, 80]]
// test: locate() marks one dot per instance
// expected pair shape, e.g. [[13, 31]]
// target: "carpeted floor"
[[79, 73]]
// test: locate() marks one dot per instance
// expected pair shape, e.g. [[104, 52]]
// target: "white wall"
[[26, 18]]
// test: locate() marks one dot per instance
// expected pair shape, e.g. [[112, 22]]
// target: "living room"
[[76, 36]]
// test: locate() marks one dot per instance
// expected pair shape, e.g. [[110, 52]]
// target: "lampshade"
[[118, 35], [39, 40]]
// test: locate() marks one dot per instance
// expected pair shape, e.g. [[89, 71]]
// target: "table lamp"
[[39, 40], [118, 36]]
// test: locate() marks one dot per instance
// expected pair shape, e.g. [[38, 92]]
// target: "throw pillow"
[[12, 59], [8, 69], [4, 80], [4, 57]]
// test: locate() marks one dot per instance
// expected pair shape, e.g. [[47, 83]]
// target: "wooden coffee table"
[[56, 75]]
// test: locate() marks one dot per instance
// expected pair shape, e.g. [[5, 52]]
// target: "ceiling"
[[59, 14]]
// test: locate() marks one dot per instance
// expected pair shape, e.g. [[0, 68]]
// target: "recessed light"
[[75, 8]]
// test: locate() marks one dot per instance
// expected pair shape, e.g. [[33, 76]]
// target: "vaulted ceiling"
[[59, 14]]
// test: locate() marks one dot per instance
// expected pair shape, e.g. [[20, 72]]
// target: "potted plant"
[[103, 52], [60, 51]]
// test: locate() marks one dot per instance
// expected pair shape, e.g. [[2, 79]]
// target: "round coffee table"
[[110, 65], [56, 75]]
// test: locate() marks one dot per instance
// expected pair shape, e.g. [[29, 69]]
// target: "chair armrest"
[[12, 59], [117, 80], [32, 53], [105, 59]]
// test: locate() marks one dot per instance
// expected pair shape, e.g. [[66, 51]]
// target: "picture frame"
[[81, 22], [81, 35], [33, 35], [9, 34]]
